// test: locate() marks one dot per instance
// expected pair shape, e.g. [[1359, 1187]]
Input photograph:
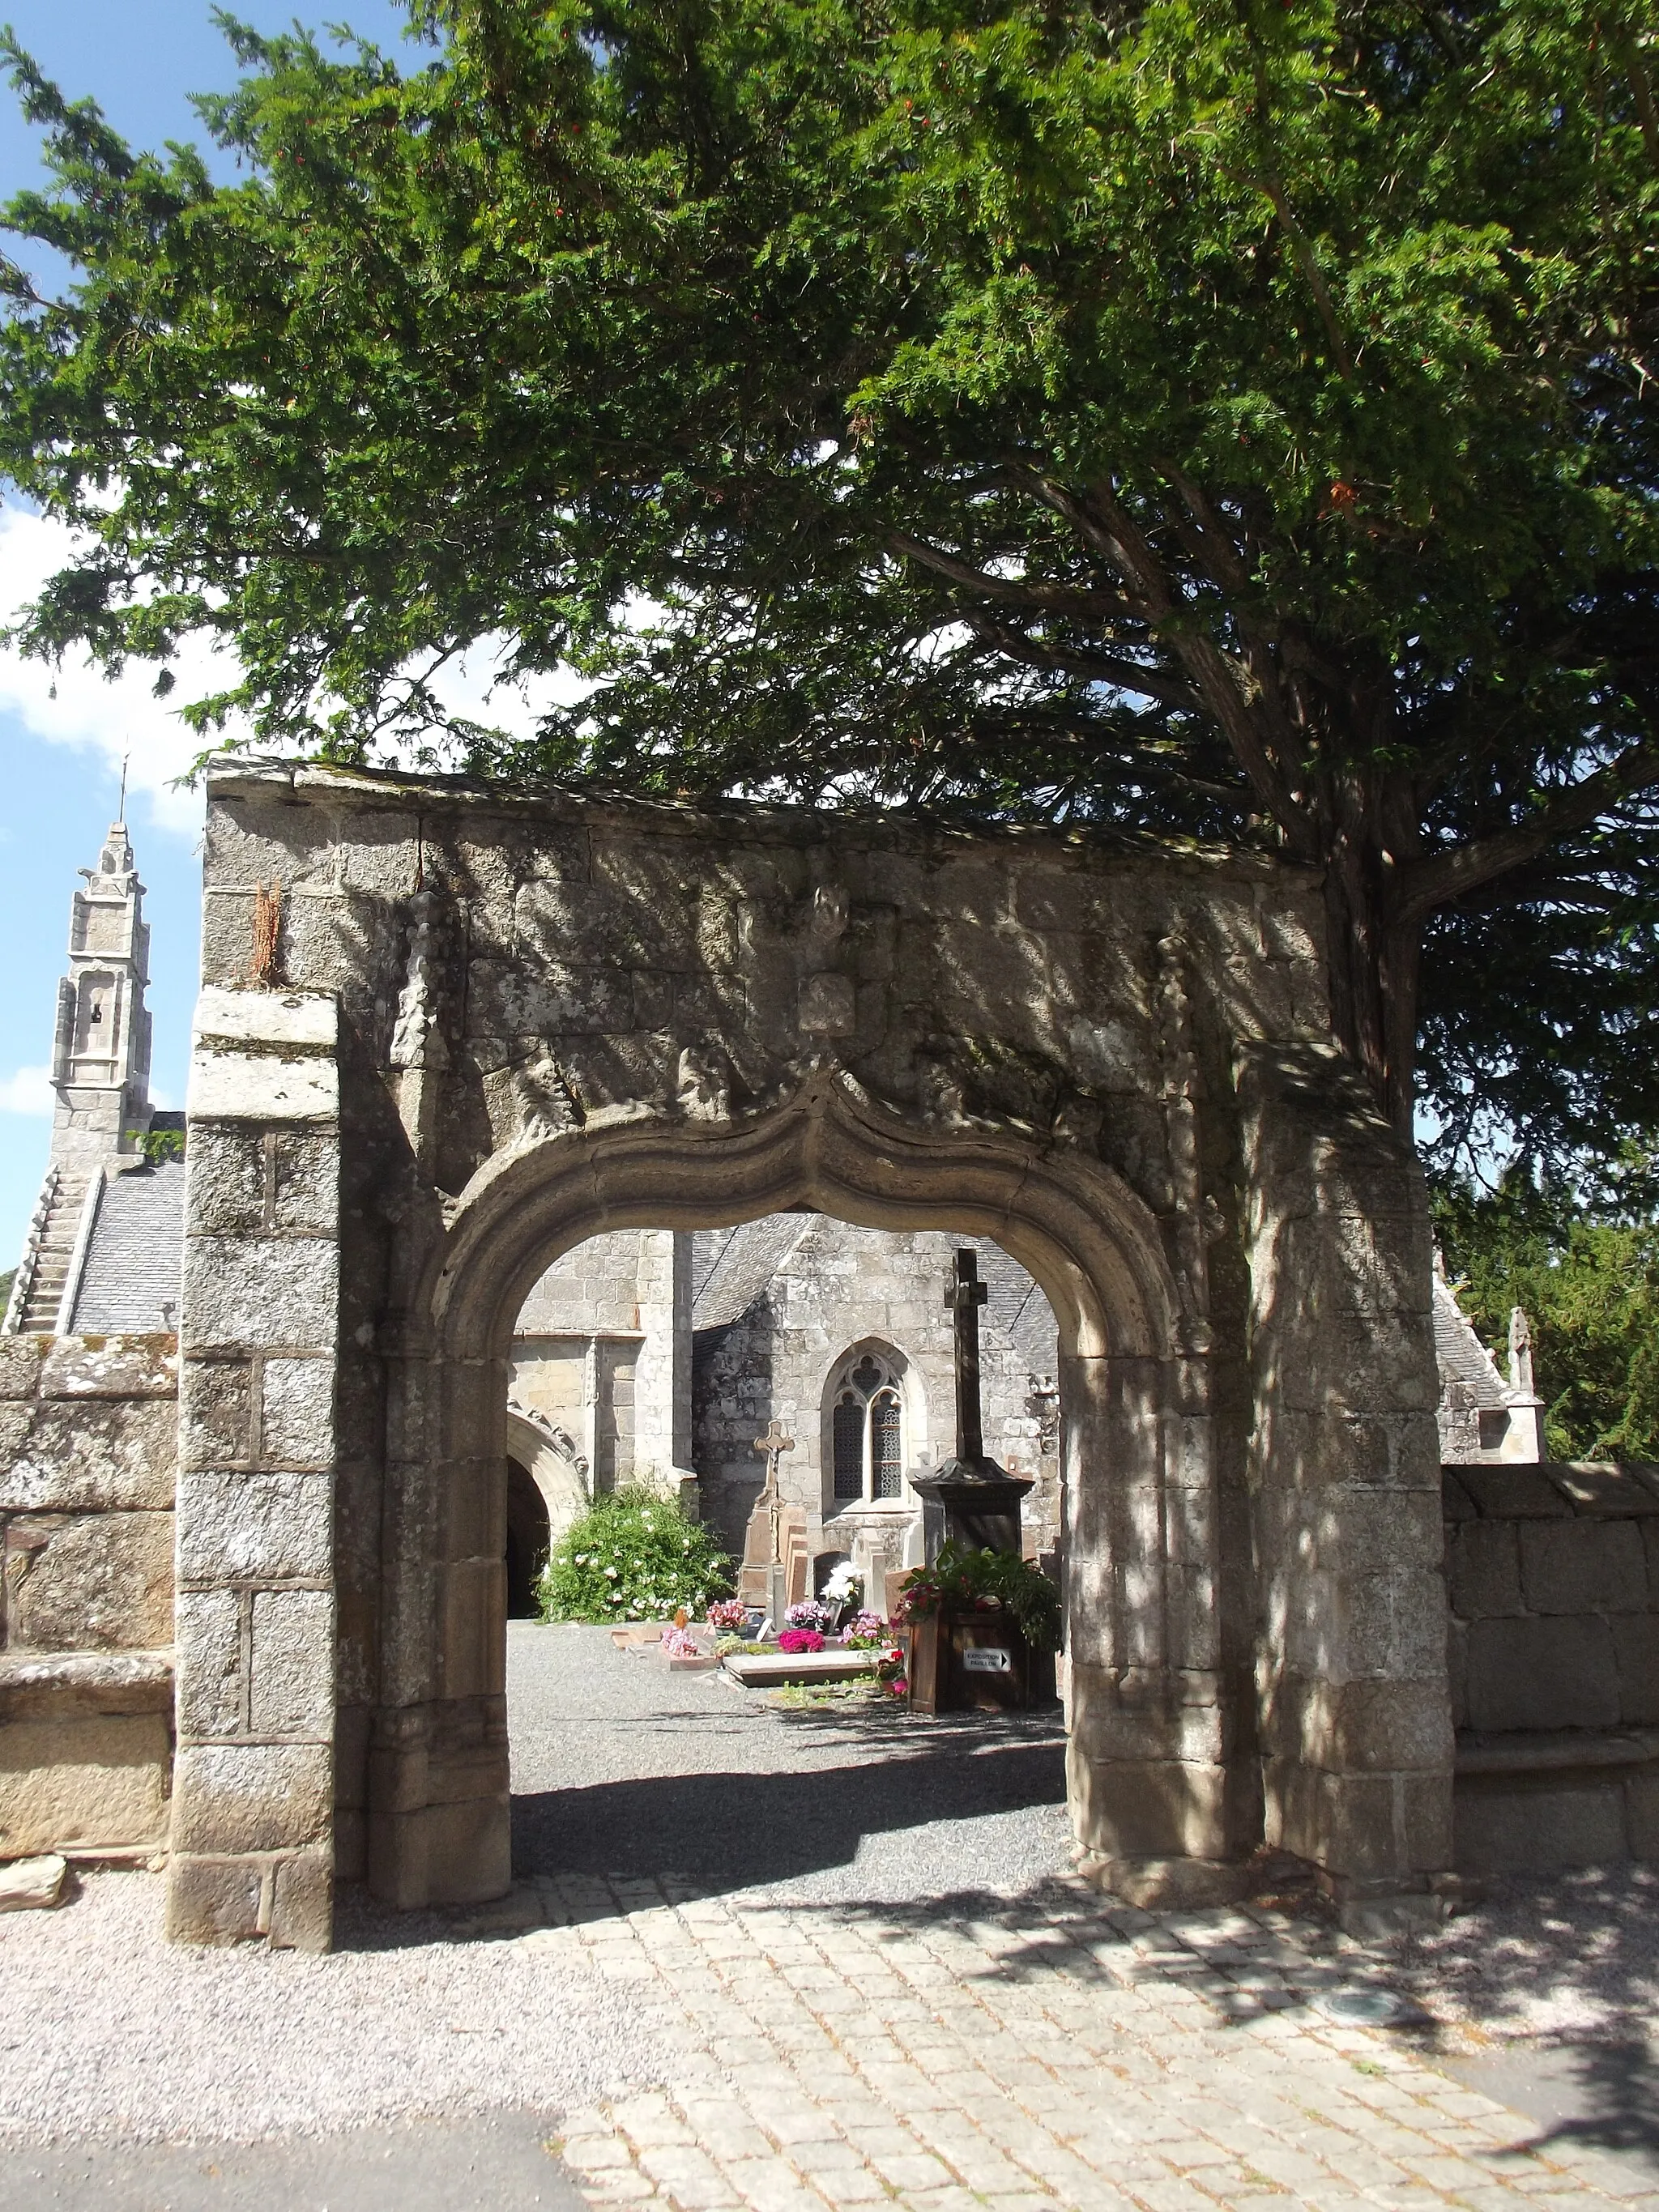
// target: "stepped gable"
[[130, 1277], [1462, 1358], [44, 1273]]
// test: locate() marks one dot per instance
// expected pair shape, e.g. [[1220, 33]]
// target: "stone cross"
[[774, 1444], [966, 1295]]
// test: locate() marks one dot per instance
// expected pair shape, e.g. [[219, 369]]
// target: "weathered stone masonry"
[[515, 1022], [254, 1817], [87, 1442]]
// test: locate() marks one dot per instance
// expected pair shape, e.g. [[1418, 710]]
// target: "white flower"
[[611, 1574]]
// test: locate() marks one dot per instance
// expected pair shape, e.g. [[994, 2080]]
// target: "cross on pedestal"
[[971, 1500], [965, 1296], [774, 1444]]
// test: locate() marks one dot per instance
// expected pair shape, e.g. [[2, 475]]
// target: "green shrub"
[[633, 1555]]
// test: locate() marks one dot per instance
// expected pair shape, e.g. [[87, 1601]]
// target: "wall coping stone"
[[1559, 1490], [389, 790], [57, 1685]]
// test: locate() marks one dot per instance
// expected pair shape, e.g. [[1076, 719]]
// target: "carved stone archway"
[[514, 1020], [1130, 1397]]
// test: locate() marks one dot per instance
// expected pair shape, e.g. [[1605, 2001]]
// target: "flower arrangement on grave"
[[865, 1630], [797, 1640], [807, 1612], [727, 1614], [634, 1555], [680, 1643], [844, 1587], [962, 1581]]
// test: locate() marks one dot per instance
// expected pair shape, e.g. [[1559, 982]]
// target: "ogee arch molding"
[[1136, 1447]]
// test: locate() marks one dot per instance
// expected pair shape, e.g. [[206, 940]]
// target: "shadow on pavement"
[[730, 1831], [1604, 2096]]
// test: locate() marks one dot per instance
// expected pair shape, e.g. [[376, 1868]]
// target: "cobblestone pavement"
[[1029, 2054]]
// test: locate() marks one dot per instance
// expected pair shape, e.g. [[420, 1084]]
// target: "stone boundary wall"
[[1553, 1581], [87, 1457]]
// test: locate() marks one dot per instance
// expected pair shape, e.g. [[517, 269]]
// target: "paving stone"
[[1029, 2090]]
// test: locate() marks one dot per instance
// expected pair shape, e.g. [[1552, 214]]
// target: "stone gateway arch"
[[447, 1032]]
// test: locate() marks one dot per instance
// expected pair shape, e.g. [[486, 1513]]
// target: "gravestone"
[[775, 1562]]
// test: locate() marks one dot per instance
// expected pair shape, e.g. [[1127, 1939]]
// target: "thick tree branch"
[[1048, 598], [1076, 660], [1101, 521], [1444, 876]]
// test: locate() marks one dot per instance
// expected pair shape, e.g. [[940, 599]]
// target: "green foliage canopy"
[[1589, 1282], [1220, 420]]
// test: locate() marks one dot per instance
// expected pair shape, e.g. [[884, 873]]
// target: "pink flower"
[[800, 1639], [900, 1686]]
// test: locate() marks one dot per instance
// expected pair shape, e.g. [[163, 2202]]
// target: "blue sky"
[[60, 755]]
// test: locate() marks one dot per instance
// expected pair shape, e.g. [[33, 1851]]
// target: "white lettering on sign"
[[982, 1659]]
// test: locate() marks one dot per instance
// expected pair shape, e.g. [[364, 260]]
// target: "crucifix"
[[774, 1444], [965, 1296]]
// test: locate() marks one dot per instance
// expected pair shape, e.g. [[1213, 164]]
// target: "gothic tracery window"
[[866, 1430]]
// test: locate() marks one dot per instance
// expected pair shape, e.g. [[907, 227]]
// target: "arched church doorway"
[[1131, 1421], [528, 1536]]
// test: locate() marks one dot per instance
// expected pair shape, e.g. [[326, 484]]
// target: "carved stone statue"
[[417, 1040], [703, 1084]]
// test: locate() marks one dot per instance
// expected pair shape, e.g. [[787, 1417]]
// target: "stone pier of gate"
[[499, 1022]]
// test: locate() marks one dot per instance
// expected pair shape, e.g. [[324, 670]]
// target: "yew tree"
[[1223, 419]]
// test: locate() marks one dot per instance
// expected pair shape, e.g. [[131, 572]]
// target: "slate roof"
[[1018, 1307], [129, 1278], [731, 1267], [1461, 1357]]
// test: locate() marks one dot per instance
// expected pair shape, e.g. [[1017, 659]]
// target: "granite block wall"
[[1553, 1576], [87, 1456]]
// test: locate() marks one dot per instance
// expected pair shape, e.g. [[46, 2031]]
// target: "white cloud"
[[29, 1091], [463, 685], [74, 705]]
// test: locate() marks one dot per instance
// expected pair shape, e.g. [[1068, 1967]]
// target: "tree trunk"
[[1376, 956]]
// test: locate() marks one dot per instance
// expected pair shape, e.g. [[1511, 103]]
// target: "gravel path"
[[107, 2030], [619, 1767]]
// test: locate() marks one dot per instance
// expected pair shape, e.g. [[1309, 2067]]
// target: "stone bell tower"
[[100, 1073], [100, 1053]]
